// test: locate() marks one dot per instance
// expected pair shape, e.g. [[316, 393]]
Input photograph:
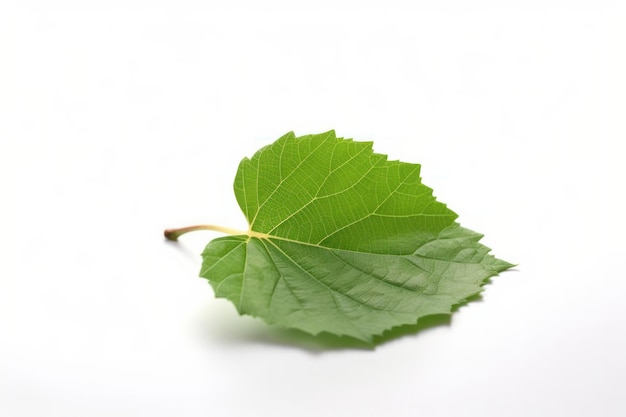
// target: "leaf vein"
[[315, 197], [369, 214], [281, 182], [318, 280]]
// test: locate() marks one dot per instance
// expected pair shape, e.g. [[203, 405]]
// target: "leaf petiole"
[[174, 234]]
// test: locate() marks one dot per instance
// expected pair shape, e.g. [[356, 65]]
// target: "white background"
[[119, 120]]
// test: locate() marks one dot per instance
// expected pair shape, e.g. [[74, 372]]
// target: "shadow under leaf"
[[325, 342]]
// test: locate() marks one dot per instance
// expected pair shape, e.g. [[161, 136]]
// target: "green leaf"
[[342, 240]]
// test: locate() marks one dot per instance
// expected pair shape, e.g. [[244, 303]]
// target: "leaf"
[[342, 240]]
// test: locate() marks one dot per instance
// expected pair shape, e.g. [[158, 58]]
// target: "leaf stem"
[[174, 234]]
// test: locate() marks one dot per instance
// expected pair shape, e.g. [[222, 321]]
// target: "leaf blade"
[[343, 241]]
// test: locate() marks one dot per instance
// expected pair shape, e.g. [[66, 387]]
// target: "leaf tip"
[[501, 265]]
